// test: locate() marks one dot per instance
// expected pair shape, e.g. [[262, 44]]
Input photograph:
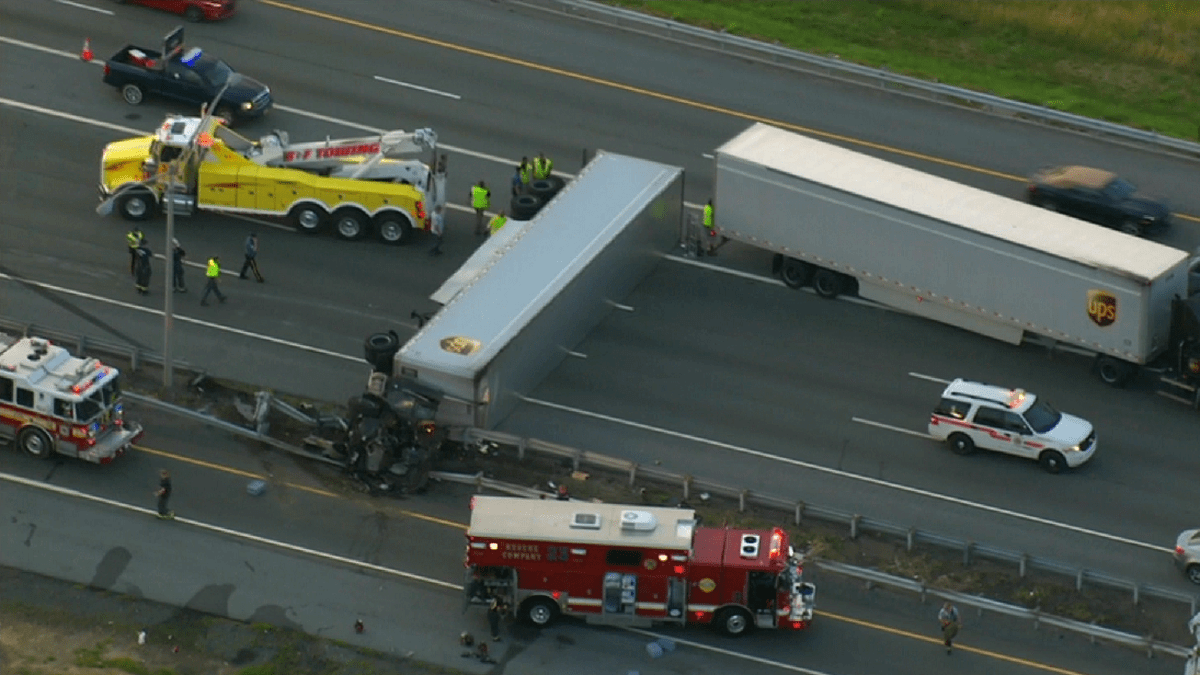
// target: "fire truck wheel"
[[539, 611], [35, 443], [393, 229], [225, 114], [132, 94], [350, 224], [136, 205], [308, 218], [733, 621]]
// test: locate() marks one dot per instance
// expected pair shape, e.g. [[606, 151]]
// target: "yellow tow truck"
[[354, 185]]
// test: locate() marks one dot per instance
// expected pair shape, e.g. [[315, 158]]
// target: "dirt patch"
[[50, 627]]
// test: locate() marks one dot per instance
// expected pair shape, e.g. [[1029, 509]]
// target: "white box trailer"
[[515, 313], [926, 245]]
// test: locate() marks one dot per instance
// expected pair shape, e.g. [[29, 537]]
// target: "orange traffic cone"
[[86, 54]]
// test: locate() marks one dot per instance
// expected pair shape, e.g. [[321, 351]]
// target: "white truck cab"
[[975, 415]]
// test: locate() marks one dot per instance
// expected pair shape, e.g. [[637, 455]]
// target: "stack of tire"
[[541, 191]]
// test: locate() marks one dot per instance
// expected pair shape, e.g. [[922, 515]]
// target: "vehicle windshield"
[[1119, 189], [1042, 416], [215, 71], [98, 402]]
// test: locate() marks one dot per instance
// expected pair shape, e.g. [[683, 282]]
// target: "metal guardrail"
[[777, 55], [857, 523], [82, 344], [1038, 617]]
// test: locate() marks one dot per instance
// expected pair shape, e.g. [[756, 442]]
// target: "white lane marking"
[[929, 378], [360, 564], [889, 427], [409, 85], [47, 50], [728, 652], [74, 118], [68, 492], [183, 318], [851, 476], [83, 6], [707, 155]]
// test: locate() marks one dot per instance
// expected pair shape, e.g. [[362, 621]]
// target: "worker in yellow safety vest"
[[135, 239], [542, 167], [710, 228], [497, 223], [481, 200], [522, 178], [212, 275]]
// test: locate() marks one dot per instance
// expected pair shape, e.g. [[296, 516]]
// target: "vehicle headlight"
[[247, 105]]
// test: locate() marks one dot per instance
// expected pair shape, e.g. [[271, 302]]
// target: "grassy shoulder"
[[1133, 63]]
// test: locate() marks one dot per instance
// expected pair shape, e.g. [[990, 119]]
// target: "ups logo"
[[460, 345], [1102, 308]]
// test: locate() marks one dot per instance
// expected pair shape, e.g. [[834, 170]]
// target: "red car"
[[192, 10]]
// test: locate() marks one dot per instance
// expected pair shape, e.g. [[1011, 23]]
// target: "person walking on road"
[[948, 618], [141, 279], [212, 275], [481, 201], [437, 227], [251, 263], [177, 256], [164, 494], [134, 238], [496, 610], [497, 222], [542, 167]]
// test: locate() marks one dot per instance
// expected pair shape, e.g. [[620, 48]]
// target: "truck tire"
[[379, 350], [546, 188], [225, 113], [35, 442], [828, 284], [1053, 461], [136, 205], [350, 223], [795, 273], [961, 444], [1114, 372], [308, 218], [539, 611], [525, 207], [393, 228], [194, 14], [1193, 573], [733, 621], [133, 94]]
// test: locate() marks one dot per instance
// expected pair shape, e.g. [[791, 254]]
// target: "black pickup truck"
[[190, 76]]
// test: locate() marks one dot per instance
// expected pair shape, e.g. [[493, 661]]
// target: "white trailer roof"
[[583, 522], [536, 264], [962, 205]]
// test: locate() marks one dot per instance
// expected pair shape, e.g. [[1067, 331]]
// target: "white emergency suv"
[[52, 402], [974, 415]]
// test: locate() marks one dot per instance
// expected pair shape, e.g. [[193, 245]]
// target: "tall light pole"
[[169, 286]]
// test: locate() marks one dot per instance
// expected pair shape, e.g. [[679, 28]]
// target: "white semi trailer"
[[847, 222]]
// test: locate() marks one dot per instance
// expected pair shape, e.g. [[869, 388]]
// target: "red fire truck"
[[632, 565], [53, 402]]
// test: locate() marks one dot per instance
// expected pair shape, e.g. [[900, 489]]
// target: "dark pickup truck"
[[190, 76]]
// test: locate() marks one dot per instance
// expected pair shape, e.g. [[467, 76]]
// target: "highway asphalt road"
[[740, 362], [300, 556]]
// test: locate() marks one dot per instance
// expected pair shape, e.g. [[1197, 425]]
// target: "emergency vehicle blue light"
[[189, 59]]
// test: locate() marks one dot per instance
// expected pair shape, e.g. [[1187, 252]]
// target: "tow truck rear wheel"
[[350, 223], [35, 443], [539, 611], [136, 205], [132, 94], [393, 229], [308, 218], [733, 621]]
